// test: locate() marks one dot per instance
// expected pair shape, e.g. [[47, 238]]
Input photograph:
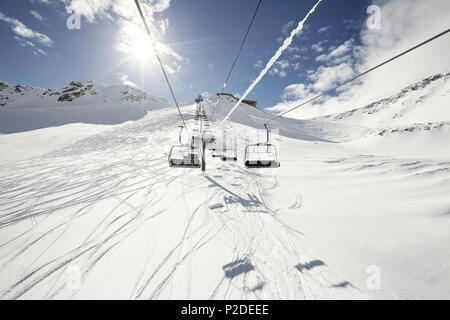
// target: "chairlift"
[[184, 156], [199, 99], [208, 136], [261, 155]]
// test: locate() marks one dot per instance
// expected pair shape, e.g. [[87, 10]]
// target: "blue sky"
[[203, 35]]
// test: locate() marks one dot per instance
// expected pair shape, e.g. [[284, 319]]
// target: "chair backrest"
[[265, 152]]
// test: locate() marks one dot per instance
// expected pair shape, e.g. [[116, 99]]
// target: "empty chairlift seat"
[[261, 155], [184, 157]]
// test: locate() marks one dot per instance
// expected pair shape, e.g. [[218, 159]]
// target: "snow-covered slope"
[[415, 122], [24, 108], [106, 217], [307, 130], [423, 102]]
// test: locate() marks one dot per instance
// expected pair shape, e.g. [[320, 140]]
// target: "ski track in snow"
[[80, 205]]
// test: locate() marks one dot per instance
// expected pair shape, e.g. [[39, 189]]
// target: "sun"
[[141, 48]]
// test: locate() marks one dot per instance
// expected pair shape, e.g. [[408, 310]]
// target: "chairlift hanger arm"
[[242, 45], [237, 55], [159, 60]]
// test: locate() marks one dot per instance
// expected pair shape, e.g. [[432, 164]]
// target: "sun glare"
[[141, 48]]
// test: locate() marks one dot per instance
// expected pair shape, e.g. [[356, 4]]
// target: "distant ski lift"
[[184, 156], [199, 99], [261, 155], [208, 136]]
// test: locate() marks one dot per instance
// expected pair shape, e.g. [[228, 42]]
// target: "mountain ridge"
[[409, 106], [76, 91], [25, 108]]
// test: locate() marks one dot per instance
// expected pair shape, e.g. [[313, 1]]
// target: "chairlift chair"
[[184, 156], [261, 155], [199, 99]]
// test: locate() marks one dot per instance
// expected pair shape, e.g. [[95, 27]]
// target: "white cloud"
[[131, 37], [211, 66], [295, 49], [44, 2], [324, 29], [405, 23], [28, 44], [291, 25], [27, 37], [125, 80], [336, 54], [342, 49], [258, 64], [37, 15], [295, 66], [39, 51], [319, 46], [352, 23], [173, 69], [23, 31], [288, 27], [296, 91], [283, 64], [326, 77], [279, 68], [322, 58], [122, 9], [23, 42], [164, 25]]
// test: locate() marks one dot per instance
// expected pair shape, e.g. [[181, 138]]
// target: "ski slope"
[[109, 209]]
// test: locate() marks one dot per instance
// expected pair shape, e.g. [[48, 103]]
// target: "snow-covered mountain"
[[24, 108], [423, 102], [415, 122], [76, 93]]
